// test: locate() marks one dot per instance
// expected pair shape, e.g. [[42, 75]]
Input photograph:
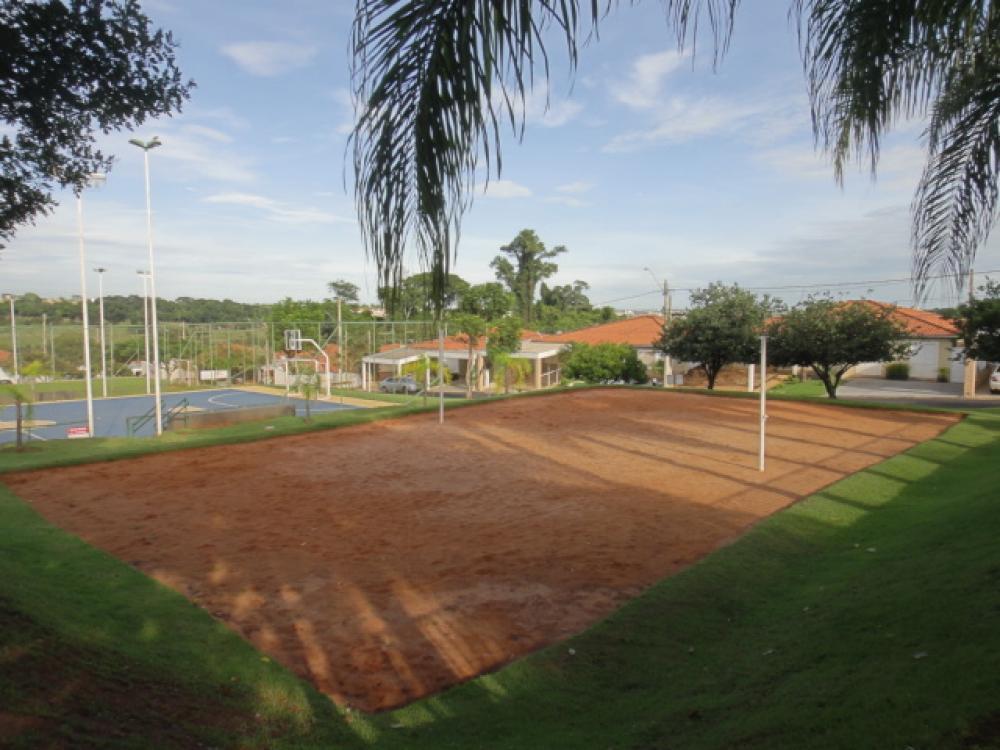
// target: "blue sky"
[[648, 158]]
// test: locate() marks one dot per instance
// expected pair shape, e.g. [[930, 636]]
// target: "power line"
[[800, 287]]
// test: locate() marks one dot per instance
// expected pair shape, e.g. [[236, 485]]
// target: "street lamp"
[[104, 356], [13, 336], [92, 180], [146, 147], [145, 324]]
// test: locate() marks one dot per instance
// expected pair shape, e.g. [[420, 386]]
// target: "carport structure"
[[543, 356], [374, 365]]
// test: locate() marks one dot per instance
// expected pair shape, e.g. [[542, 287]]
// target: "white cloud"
[[198, 151], [506, 189], [269, 58], [642, 89], [567, 200], [575, 188], [277, 210], [680, 118], [210, 133], [540, 107]]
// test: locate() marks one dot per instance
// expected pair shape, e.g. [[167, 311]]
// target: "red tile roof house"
[[641, 332], [543, 355], [932, 340]]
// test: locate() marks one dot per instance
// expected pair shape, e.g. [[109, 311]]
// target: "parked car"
[[405, 384], [995, 380]]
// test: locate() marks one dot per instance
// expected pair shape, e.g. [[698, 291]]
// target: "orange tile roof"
[[642, 330], [921, 323]]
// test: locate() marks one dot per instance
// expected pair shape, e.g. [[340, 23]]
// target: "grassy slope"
[[121, 386], [795, 636]]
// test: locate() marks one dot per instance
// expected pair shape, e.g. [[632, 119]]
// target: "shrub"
[[604, 362], [897, 371], [943, 375]]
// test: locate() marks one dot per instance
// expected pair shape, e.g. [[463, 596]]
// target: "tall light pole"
[[667, 369], [104, 356], [13, 336], [94, 179], [146, 147], [145, 325]]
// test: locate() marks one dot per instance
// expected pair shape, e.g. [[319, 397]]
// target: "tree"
[[70, 70], [568, 297], [531, 264], [722, 326], [979, 321], [22, 411], [832, 337], [490, 301], [473, 328], [413, 297], [600, 363], [343, 289], [503, 341], [434, 82]]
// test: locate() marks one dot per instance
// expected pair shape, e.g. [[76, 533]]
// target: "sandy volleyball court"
[[387, 561]]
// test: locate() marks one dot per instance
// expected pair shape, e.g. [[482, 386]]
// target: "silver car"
[[995, 380], [405, 384]]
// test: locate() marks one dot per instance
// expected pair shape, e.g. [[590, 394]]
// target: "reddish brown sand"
[[388, 561]]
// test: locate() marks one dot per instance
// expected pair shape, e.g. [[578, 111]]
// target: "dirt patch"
[[386, 561]]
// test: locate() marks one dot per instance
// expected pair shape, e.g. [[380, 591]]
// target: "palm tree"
[[435, 82]]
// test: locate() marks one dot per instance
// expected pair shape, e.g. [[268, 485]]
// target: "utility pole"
[[972, 285], [667, 313], [45, 338]]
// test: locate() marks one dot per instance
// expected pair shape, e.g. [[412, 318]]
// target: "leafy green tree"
[[505, 336], [979, 322], [473, 328], [489, 301], [529, 262], [601, 363], [832, 337], [433, 83], [722, 326], [22, 411], [344, 290], [566, 297], [413, 298], [70, 71], [505, 339]]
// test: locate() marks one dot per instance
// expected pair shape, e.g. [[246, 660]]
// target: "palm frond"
[[956, 202], [871, 62], [434, 83]]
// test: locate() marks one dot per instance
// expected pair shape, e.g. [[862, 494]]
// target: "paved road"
[[915, 393], [110, 414]]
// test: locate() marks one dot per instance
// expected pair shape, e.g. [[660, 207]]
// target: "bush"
[[943, 375], [604, 363], [897, 371]]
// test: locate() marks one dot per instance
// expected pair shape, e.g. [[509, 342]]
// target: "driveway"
[[917, 392]]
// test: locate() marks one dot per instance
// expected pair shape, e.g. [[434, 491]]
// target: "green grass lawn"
[[121, 386], [867, 616], [803, 389]]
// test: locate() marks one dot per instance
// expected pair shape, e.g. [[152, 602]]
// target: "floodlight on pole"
[[92, 180], [13, 335], [104, 355], [145, 325], [146, 147]]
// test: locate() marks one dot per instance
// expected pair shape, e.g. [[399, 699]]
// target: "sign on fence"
[[77, 432]]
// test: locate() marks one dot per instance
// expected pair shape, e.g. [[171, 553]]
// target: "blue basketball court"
[[111, 414]]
